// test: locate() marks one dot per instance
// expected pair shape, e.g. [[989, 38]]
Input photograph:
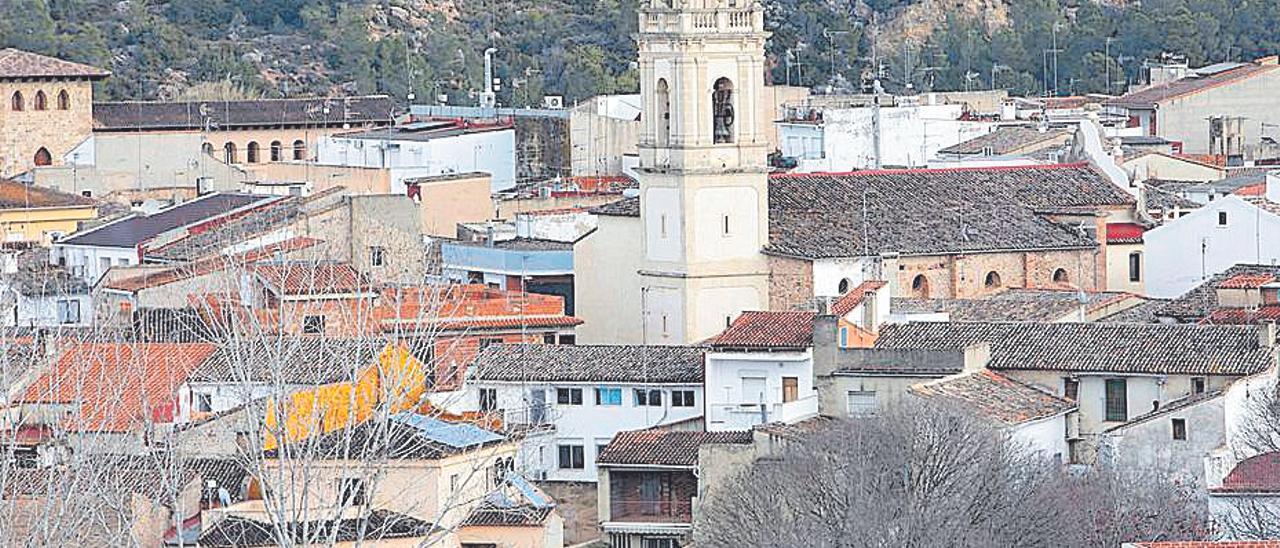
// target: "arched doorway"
[[1060, 276], [993, 280], [920, 287], [43, 158], [251, 153]]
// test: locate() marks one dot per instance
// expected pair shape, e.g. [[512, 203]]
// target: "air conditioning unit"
[[554, 102]]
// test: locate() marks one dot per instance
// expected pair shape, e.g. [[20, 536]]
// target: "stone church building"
[[46, 109], [713, 233]]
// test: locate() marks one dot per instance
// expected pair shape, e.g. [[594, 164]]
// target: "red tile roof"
[[758, 329], [306, 278], [448, 324], [996, 396], [117, 386], [206, 266], [16, 195], [1124, 233], [1247, 281], [1259, 189], [664, 447], [1256, 474], [15, 63], [855, 296], [1242, 316]]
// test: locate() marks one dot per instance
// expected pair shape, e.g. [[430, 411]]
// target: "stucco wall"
[[1182, 253], [1149, 445], [607, 294], [1185, 118]]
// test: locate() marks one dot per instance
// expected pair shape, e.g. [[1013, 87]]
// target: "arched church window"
[[64, 100], [722, 112], [277, 153], [662, 94], [41, 102], [15, 102], [920, 287], [43, 158], [299, 150], [229, 153], [252, 152]]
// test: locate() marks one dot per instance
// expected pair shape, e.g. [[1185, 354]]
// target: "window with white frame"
[[862, 403], [648, 398], [68, 311]]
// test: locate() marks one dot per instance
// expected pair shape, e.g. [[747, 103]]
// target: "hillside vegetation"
[[578, 48]]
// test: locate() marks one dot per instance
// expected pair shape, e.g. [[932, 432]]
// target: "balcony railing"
[[655, 511], [702, 21], [741, 416], [531, 417]]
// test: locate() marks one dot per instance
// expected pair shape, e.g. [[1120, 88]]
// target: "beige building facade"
[[46, 109]]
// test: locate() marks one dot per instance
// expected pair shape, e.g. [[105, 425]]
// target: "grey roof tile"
[[137, 229], [590, 363]]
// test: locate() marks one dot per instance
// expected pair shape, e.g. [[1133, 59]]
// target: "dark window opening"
[[648, 398], [1071, 389], [722, 111], [571, 457], [1179, 429], [488, 399], [569, 396], [682, 398], [1117, 404], [313, 325]]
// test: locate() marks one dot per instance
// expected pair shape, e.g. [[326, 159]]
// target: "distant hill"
[[579, 48]]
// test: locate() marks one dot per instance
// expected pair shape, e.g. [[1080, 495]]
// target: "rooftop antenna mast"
[[488, 99]]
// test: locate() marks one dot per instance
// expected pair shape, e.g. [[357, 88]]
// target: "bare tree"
[[1252, 433], [929, 475]]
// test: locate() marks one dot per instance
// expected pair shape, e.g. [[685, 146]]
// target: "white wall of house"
[[49, 311], [828, 273], [1182, 253], [91, 262], [1047, 435], [491, 152], [909, 137], [746, 388], [1150, 444], [588, 425], [607, 294]]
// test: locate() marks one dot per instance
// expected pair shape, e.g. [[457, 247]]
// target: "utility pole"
[[1055, 50], [831, 38], [1106, 48]]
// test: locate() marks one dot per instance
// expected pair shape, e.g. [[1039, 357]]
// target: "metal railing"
[[655, 510]]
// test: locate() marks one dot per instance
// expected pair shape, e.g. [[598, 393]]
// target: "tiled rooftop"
[[937, 211], [1092, 347], [767, 330], [172, 115], [849, 301], [290, 360], [16, 195], [664, 447], [1257, 474], [1202, 300], [296, 278], [1148, 97], [15, 63], [626, 207], [1125, 233], [118, 386], [1011, 305], [1005, 140], [996, 396], [589, 363]]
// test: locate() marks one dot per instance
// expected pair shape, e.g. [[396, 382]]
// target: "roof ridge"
[[1034, 167]]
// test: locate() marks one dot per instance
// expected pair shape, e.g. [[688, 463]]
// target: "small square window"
[[1222, 218], [486, 342], [648, 398], [488, 399], [204, 403], [313, 325], [569, 396], [571, 457], [1180, 429], [1197, 385], [682, 398], [609, 396]]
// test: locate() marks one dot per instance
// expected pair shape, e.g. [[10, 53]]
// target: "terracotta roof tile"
[[1005, 140], [207, 265], [1257, 474], [1012, 305], [1202, 300], [16, 195], [15, 63], [1209, 544], [997, 396], [590, 363], [1247, 281], [760, 329], [445, 324], [1125, 233], [664, 447], [855, 296], [1093, 347], [1242, 316], [117, 386], [626, 207], [308, 278]]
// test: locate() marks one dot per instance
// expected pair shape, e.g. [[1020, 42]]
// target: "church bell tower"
[[703, 173]]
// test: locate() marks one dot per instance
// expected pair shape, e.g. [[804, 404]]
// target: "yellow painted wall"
[[34, 225], [397, 379]]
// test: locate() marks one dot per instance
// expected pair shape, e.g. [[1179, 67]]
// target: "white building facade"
[[745, 389], [849, 139], [409, 154], [1182, 253]]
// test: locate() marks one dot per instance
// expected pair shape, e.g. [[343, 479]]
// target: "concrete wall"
[[1160, 166], [729, 407], [1149, 444], [486, 151], [357, 180], [446, 201], [607, 294], [909, 136], [601, 134], [1182, 253], [23, 133], [112, 164], [1185, 118], [1048, 436]]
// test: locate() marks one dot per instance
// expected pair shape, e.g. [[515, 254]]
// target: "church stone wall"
[[23, 133]]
